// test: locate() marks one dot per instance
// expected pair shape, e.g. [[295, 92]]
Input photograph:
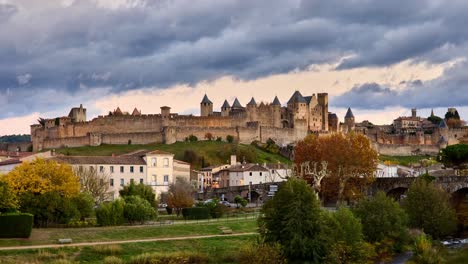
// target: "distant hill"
[[15, 138], [199, 154]]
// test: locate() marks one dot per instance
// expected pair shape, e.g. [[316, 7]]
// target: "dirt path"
[[119, 242]]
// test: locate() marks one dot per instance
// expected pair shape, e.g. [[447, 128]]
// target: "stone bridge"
[[395, 187]]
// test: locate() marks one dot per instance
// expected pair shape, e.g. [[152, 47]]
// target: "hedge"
[[196, 213], [16, 225]]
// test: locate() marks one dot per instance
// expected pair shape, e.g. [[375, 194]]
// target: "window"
[[272, 171], [112, 169], [250, 173], [122, 182], [101, 168], [153, 162], [260, 173], [91, 168], [141, 169], [153, 179], [131, 169], [111, 182], [141, 181], [166, 179], [166, 162], [121, 169]]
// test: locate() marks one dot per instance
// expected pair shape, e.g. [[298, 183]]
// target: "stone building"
[[252, 122]]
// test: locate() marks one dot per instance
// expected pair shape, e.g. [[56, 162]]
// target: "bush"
[[84, 204], [169, 210], [230, 138], [196, 213], [192, 138], [424, 252], [262, 253], [428, 208], [219, 139], [113, 260], [383, 219], [170, 258], [16, 225], [137, 209], [240, 201], [142, 190], [209, 136], [111, 214], [216, 209]]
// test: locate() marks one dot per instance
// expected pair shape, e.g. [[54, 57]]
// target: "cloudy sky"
[[380, 58]]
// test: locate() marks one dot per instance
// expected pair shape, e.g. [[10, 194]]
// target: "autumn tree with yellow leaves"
[[41, 176], [351, 162]]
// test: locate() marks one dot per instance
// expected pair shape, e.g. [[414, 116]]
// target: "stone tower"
[[323, 101], [349, 120], [206, 107], [225, 108], [276, 106], [252, 110], [413, 113], [78, 114], [297, 107]]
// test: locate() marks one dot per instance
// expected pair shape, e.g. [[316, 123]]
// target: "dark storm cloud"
[[449, 90], [161, 43]]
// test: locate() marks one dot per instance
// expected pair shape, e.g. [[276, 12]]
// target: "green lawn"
[[218, 250], [403, 160], [214, 152], [42, 236]]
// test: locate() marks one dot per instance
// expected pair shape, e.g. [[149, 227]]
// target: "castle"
[[252, 122]]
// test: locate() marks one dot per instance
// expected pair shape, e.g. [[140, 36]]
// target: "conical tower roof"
[[442, 124], [276, 101], [252, 102], [236, 104], [136, 112], [206, 100], [226, 104], [297, 98], [349, 113]]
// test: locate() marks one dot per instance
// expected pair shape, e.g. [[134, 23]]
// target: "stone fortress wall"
[[284, 124]]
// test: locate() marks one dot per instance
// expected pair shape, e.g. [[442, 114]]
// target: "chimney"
[[233, 160]]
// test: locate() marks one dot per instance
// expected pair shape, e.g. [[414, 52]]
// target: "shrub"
[[216, 209], [196, 213], [209, 136], [230, 138], [110, 214], [16, 225], [240, 201], [428, 208], [424, 252], [113, 260], [84, 204], [142, 190], [137, 209], [192, 138], [219, 139], [169, 210], [170, 258], [261, 253]]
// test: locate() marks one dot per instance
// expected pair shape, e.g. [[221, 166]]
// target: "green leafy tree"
[[8, 200], [343, 238], [292, 219], [230, 138], [138, 210], [180, 195], [84, 204], [428, 208], [142, 190], [111, 213], [434, 119], [455, 155], [382, 218], [240, 201]]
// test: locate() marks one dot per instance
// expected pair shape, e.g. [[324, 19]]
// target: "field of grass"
[[218, 250], [93, 234], [214, 152], [402, 160]]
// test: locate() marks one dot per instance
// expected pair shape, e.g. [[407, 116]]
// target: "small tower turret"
[[206, 107], [225, 108], [349, 120], [252, 110], [276, 107]]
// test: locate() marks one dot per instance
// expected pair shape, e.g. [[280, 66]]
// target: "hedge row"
[[196, 213], [16, 225]]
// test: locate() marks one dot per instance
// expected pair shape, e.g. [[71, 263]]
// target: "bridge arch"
[[397, 193]]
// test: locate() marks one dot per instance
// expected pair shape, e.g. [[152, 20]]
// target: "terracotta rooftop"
[[10, 161], [247, 167], [118, 160]]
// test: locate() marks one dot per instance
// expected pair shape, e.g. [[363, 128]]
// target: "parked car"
[[162, 205], [226, 203]]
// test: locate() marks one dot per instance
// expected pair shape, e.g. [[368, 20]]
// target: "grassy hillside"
[[403, 160], [200, 153]]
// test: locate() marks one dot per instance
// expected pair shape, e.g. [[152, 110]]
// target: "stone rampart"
[[405, 150]]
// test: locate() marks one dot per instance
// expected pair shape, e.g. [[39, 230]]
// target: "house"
[[9, 160]]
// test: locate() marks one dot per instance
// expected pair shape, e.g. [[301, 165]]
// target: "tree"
[[239, 200], [292, 219], [351, 162], [230, 138], [41, 176], [110, 214], [455, 155], [142, 190], [8, 200], [94, 183], [434, 119], [382, 218], [180, 195], [209, 136], [428, 208], [137, 209]]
